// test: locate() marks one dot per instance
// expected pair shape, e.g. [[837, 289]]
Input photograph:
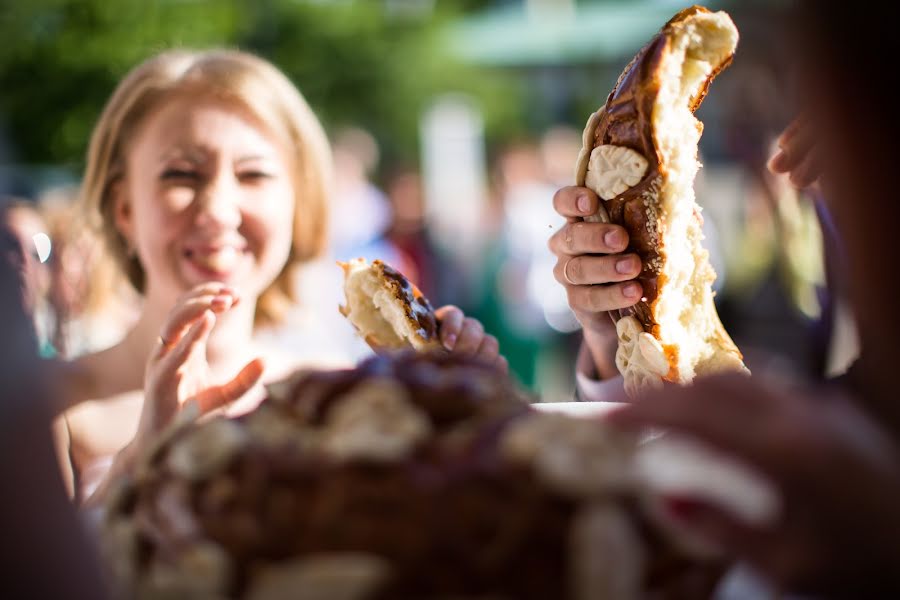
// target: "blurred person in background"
[[21, 219], [410, 237], [208, 176], [92, 303], [513, 273], [365, 210]]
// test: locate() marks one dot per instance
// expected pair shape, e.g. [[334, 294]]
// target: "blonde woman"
[[207, 175]]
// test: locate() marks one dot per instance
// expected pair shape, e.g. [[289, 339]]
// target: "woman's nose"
[[220, 204]]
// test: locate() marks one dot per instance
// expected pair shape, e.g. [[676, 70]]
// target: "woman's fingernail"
[[450, 341], [631, 290], [584, 204], [625, 266], [614, 238]]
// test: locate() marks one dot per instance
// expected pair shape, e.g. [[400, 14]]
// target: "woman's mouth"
[[215, 261]]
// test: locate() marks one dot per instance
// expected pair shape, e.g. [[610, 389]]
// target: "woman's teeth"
[[221, 260]]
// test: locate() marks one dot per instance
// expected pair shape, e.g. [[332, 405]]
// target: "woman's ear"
[[123, 216]]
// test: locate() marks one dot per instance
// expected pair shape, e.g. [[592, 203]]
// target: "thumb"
[[221, 395]]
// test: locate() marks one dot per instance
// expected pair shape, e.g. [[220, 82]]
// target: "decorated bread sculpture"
[[640, 157], [413, 476]]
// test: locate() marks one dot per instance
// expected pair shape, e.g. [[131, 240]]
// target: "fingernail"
[[631, 290], [614, 238], [625, 266], [584, 204], [777, 162], [450, 341]]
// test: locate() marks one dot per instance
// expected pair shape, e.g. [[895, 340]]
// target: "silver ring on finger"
[[566, 272]]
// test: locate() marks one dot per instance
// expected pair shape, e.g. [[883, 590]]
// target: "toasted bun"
[[640, 156], [389, 312]]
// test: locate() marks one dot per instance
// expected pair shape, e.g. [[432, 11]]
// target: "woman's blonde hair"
[[233, 75]]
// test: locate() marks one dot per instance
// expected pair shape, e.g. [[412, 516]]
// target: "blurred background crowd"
[[452, 123]]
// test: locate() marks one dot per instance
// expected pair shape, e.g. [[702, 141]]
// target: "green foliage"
[[355, 62]]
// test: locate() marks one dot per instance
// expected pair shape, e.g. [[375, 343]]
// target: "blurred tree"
[[354, 60]]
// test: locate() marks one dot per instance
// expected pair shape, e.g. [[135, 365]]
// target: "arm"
[[122, 466], [62, 442]]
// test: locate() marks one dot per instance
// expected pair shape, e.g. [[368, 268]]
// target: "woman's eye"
[[254, 175], [180, 174]]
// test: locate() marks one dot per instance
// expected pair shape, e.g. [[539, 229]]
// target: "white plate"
[[577, 409]]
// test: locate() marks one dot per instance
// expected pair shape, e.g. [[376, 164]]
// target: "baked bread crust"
[[389, 312], [647, 136]]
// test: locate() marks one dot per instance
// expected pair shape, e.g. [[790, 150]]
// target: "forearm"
[[597, 355], [123, 465]]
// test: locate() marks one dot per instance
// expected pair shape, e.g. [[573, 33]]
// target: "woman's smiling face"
[[207, 195]]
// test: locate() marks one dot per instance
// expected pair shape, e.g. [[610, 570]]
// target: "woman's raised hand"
[[177, 372]]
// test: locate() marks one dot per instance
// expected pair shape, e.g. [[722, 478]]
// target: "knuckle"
[[559, 198], [594, 238], [569, 233], [557, 271], [575, 297], [600, 299], [575, 269], [553, 243]]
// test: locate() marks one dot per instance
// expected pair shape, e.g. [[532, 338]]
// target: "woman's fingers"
[[470, 337], [212, 288], [489, 348], [186, 314], [221, 395], [589, 270], [451, 321], [581, 237], [464, 335], [192, 341], [575, 201]]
